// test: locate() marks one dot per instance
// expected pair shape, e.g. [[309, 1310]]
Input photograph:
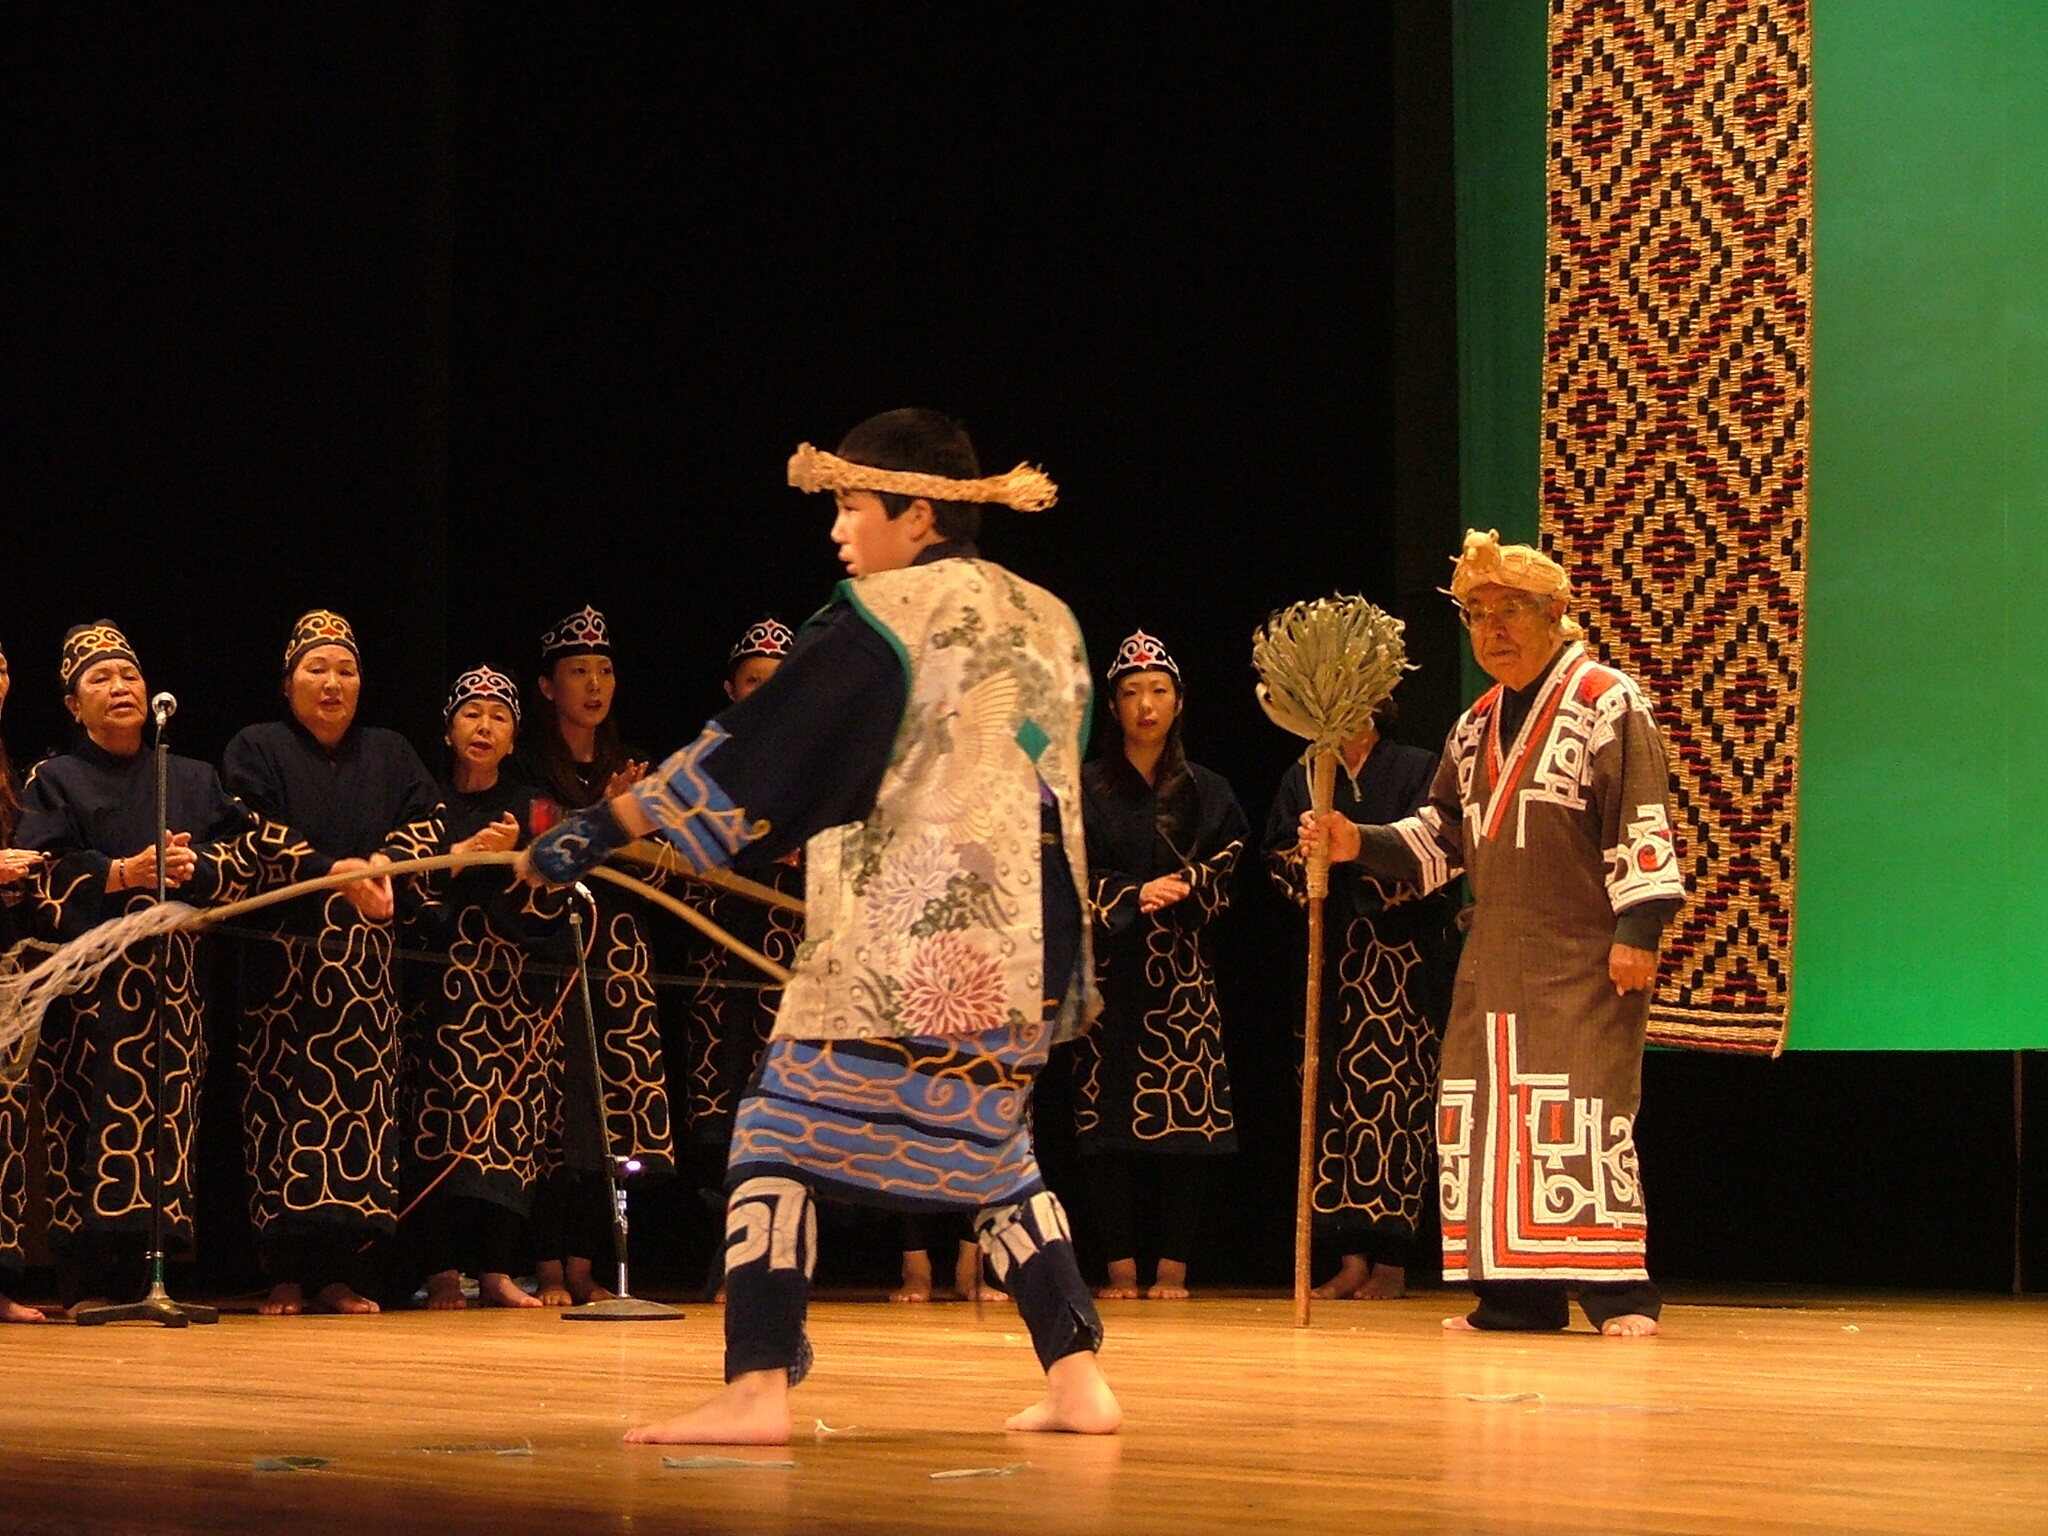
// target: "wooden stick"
[[695, 919], [209, 916], [650, 854], [1322, 793]]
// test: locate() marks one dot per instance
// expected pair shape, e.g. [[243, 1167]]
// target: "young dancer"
[[925, 736]]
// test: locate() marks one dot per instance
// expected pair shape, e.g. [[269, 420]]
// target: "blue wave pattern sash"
[[914, 1124]]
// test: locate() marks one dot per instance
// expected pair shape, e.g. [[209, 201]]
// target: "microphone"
[[163, 706]]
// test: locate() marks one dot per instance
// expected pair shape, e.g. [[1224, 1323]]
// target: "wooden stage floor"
[[1749, 1415]]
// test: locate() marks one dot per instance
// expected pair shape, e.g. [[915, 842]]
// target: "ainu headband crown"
[[1142, 653], [88, 643], [583, 633], [481, 683], [1023, 489], [320, 627], [770, 638]]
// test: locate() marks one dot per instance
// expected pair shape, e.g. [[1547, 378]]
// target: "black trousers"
[[1545, 1305], [1390, 1242], [938, 1234], [314, 1260], [110, 1265], [462, 1233], [572, 1218], [1171, 1188]]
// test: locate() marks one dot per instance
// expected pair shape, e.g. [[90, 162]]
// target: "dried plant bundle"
[[1325, 667]]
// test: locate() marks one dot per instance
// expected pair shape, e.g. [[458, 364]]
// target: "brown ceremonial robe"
[[1561, 830]]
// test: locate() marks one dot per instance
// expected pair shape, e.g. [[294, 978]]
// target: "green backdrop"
[[1922, 916]]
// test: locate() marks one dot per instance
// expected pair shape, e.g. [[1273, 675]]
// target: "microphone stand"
[[624, 1307], [156, 1305]]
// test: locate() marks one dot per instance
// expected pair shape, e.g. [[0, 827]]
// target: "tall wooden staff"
[[1324, 670]]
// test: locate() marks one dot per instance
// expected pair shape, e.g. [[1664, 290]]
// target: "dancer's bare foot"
[[1389, 1282], [1630, 1325], [496, 1290], [12, 1311], [581, 1285], [444, 1292], [917, 1277], [1169, 1281], [967, 1276], [1123, 1281], [1077, 1401], [752, 1410], [343, 1299], [286, 1299], [86, 1305], [1459, 1325], [1352, 1273]]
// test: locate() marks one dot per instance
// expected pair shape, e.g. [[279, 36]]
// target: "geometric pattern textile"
[[1677, 353]]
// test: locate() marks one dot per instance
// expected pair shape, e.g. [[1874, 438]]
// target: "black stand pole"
[[2019, 1173], [156, 1305], [624, 1307]]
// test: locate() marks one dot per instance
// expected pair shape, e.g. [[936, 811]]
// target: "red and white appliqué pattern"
[[1536, 1184]]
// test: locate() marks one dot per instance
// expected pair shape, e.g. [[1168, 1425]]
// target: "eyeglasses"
[[1473, 617]]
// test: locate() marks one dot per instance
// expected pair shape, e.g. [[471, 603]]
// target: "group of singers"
[[417, 1091]]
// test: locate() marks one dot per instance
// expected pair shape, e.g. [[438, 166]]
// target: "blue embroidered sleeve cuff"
[[691, 811], [578, 842]]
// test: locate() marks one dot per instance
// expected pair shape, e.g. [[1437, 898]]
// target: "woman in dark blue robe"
[[1382, 1024], [16, 866], [479, 1079], [92, 812], [1151, 1087], [319, 1045], [573, 756]]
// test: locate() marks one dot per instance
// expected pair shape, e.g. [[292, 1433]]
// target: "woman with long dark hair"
[[16, 865], [1151, 1090], [731, 1016], [575, 757]]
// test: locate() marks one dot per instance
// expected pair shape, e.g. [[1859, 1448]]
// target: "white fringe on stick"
[[26, 994]]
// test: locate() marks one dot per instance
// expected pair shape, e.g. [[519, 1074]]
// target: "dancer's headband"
[[1023, 489]]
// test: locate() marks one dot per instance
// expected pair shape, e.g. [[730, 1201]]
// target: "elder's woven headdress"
[[1488, 562], [1023, 489]]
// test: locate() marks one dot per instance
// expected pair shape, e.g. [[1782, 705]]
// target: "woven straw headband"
[[1023, 489]]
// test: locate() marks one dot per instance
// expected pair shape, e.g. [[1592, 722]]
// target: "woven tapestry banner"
[[1677, 325]]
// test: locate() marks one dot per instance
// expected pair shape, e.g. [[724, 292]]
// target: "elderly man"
[[1551, 798]]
